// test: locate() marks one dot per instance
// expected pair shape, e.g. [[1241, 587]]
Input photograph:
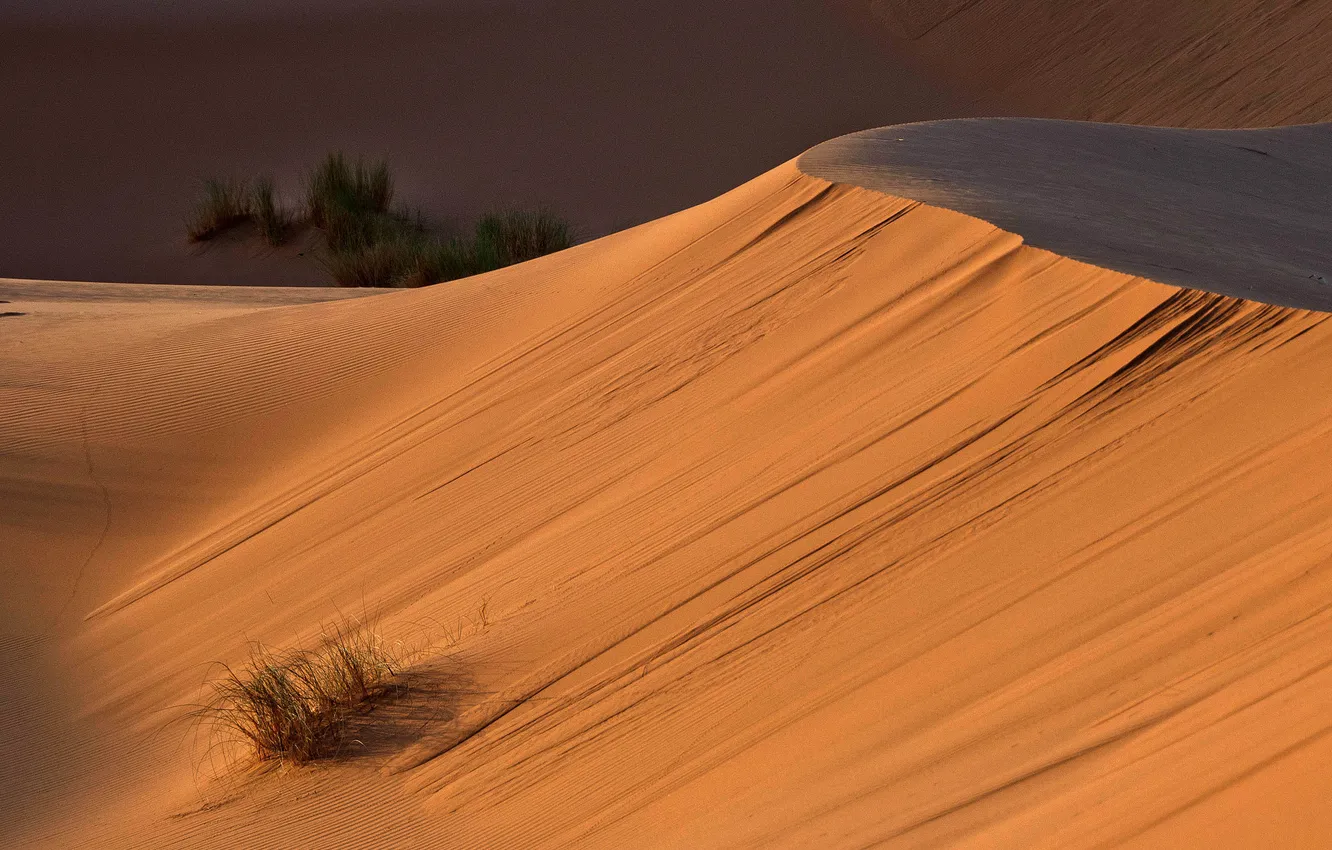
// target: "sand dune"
[[845, 509], [811, 515]]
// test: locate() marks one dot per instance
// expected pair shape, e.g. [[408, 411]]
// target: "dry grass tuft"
[[370, 243], [358, 187], [225, 204], [273, 219], [294, 706], [503, 239], [374, 262]]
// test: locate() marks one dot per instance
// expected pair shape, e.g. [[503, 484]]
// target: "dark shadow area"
[[43, 745], [422, 705], [608, 113]]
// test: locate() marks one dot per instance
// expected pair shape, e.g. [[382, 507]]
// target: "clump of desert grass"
[[223, 205], [503, 239], [226, 204], [368, 241], [382, 261], [273, 220], [294, 706], [338, 185], [397, 251]]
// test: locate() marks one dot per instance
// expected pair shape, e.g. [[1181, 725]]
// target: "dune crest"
[[1236, 212]]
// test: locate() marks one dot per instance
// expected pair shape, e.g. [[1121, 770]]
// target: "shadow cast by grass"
[[427, 701]]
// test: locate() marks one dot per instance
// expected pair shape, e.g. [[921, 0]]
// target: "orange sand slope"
[[810, 516]]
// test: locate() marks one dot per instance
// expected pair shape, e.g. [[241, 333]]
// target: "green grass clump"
[[503, 239], [351, 230], [438, 260], [405, 259], [360, 188], [225, 204], [393, 251], [274, 220], [368, 242], [379, 262], [295, 706]]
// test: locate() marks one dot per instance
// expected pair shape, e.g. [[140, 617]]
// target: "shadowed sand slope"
[[1241, 213], [1207, 63], [811, 516]]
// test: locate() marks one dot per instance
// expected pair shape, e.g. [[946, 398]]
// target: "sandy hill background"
[[1210, 63], [813, 515]]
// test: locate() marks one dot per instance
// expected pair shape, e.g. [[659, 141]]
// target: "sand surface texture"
[[810, 516]]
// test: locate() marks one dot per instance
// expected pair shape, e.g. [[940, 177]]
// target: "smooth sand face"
[[612, 113]]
